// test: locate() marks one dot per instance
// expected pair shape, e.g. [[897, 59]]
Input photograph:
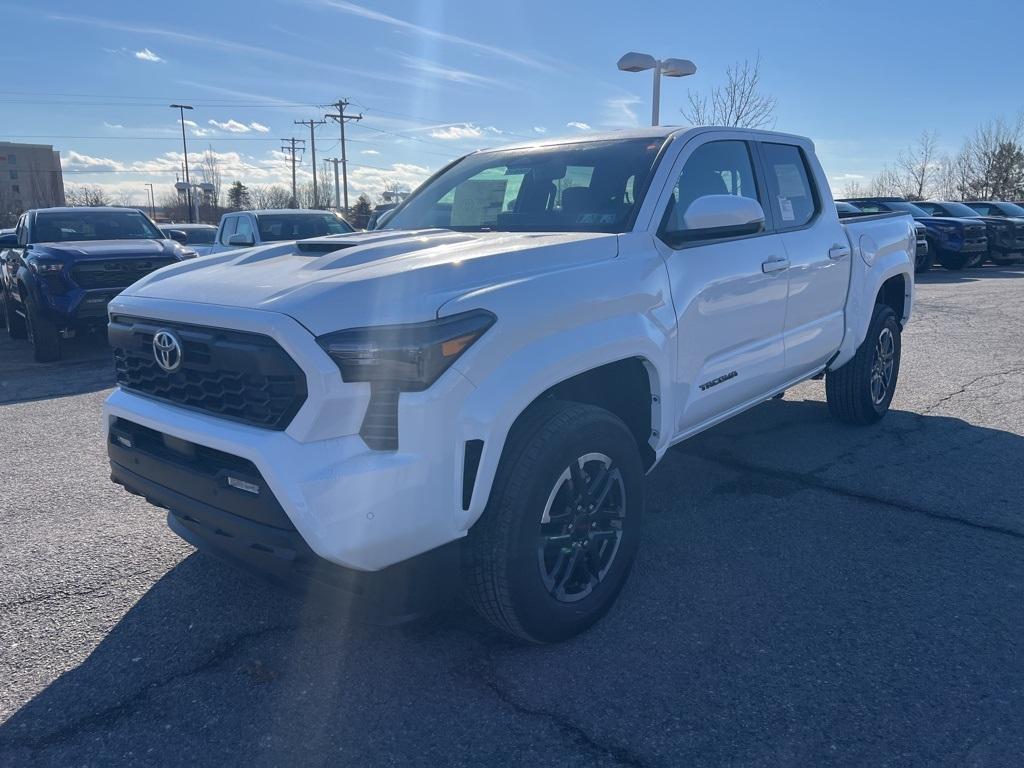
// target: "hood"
[[105, 249], [371, 278], [930, 220]]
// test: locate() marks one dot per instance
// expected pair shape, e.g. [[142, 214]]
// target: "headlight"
[[412, 357], [45, 266]]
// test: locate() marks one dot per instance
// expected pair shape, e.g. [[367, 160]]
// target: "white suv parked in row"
[[471, 398]]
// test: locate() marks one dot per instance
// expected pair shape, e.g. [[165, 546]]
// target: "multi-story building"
[[30, 177]]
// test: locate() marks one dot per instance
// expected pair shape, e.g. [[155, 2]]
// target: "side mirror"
[[9, 240], [241, 239], [384, 218], [716, 216], [177, 235]]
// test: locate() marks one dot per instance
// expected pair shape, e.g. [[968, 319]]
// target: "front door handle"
[[838, 252], [774, 265]]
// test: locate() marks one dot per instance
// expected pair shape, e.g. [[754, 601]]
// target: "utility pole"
[[181, 113], [312, 148], [341, 118], [152, 200], [290, 148], [337, 189]]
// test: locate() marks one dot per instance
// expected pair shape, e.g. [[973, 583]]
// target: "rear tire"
[[43, 335], [557, 540], [15, 322], [861, 390]]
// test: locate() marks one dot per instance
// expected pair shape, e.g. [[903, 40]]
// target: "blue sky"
[[437, 79]]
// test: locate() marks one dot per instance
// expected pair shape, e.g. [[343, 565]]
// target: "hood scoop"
[[321, 245]]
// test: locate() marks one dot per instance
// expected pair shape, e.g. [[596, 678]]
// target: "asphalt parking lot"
[[807, 593]]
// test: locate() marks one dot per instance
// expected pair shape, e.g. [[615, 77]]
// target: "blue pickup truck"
[[61, 267]]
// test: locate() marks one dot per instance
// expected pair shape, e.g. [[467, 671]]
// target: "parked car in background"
[[955, 243], [922, 255], [199, 237], [475, 392], [62, 266], [998, 230], [1013, 213], [244, 229]]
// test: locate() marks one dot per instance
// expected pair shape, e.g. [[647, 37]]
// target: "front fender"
[[586, 320]]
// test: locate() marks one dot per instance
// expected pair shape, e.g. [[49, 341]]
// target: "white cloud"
[[147, 55], [577, 125], [620, 111], [112, 125], [436, 70], [540, 129], [230, 125], [342, 6], [458, 131], [370, 152], [259, 127]]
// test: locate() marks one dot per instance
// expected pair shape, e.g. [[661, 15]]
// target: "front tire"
[[43, 335], [557, 540], [952, 260], [861, 391]]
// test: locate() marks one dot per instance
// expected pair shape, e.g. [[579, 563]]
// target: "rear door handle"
[[838, 252], [774, 265]]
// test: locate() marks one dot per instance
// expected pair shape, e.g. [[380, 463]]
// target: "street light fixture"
[[638, 62], [184, 146]]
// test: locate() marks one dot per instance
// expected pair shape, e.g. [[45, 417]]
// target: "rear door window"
[[791, 192]]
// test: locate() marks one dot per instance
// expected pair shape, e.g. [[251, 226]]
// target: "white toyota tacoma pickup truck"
[[469, 400]]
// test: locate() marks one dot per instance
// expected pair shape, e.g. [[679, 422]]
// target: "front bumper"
[[354, 507], [250, 529]]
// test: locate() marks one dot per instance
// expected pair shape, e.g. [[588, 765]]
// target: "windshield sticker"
[[786, 208], [478, 202]]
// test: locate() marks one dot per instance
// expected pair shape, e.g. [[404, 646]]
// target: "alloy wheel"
[[581, 527], [882, 365]]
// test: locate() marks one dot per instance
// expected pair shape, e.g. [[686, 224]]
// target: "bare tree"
[[852, 189], [209, 168], [86, 195], [953, 179], [917, 167], [739, 102], [272, 196], [172, 206]]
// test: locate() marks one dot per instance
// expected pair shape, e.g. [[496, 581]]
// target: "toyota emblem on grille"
[[167, 350]]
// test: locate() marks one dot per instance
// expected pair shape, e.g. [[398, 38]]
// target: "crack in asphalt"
[[109, 716], [809, 481], [63, 594], [963, 390]]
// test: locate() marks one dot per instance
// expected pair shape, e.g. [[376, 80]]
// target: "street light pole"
[[152, 200], [638, 62], [184, 146]]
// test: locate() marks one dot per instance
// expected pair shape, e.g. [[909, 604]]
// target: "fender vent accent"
[[380, 424], [470, 465]]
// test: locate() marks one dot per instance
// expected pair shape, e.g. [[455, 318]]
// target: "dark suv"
[[955, 242], [62, 266], [1012, 213], [1000, 232]]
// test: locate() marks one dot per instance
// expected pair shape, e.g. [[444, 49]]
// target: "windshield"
[[585, 187], [961, 210], [1010, 209], [195, 235], [58, 226], [910, 208], [298, 226]]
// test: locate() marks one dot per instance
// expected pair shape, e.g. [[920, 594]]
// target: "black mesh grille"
[[380, 424], [240, 376], [115, 273]]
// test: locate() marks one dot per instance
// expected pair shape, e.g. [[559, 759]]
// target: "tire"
[[15, 322], [850, 390], [953, 261], [43, 335], [548, 581]]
